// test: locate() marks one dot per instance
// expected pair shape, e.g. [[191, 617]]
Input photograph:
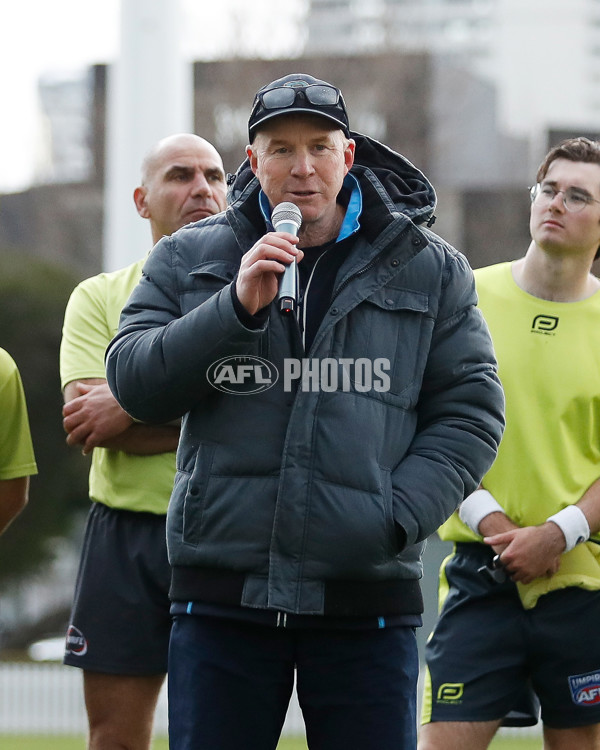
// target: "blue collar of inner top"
[[351, 221]]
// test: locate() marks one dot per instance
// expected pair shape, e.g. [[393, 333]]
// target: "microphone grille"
[[286, 212]]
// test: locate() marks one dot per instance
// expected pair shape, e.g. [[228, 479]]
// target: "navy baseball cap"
[[298, 92]]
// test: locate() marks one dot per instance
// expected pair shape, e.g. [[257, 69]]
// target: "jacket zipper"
[[281, 619], [305, 296]]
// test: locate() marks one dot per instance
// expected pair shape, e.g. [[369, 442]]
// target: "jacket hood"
[[400, 184]]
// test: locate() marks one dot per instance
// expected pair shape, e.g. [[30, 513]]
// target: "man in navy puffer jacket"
[[319, 447]]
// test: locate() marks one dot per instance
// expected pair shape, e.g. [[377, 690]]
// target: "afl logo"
[[585, 688], [76, 642], [242, 375], [589, 696], [544, 323]]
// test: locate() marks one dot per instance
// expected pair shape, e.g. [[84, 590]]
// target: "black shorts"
[[120, 621], [489, 658]]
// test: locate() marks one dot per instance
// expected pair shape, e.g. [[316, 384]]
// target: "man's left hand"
[[530, 552], [93, 417]]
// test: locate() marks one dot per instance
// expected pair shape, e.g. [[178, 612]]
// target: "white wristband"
[[573, 524], [476, 507]]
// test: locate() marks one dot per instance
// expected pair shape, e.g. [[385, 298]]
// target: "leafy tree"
[[33, 296]]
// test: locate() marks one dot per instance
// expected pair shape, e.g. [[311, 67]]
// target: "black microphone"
[[286, 217]]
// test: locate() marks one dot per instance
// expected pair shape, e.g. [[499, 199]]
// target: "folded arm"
[[92, 418]]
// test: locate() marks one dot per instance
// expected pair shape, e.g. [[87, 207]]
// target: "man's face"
[[301, 159], [557, 230], [185, 183]]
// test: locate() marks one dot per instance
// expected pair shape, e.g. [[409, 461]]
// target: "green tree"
[[33, 296]]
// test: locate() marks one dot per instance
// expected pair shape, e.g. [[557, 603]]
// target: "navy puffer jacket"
[[315, 500]]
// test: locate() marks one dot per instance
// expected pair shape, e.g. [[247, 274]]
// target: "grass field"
[[24, 742]]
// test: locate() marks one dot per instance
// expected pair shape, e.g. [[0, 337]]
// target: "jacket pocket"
[[220, 270], [351, 531], [393, 326], [388, 504], [195, 494], [205, 280]]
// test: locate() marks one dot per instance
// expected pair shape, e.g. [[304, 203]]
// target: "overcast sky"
[[62, 37]]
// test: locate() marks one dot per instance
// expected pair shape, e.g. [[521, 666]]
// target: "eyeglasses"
[[285, 96], [574, 199]]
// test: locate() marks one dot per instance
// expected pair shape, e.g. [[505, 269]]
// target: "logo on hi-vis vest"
[[450, 692], [585, 689], [545, 324]]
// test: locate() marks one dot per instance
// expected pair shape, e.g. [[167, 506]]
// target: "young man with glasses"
[[521, 593], [308, 482]]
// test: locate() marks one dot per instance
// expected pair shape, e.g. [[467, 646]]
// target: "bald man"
[[120, 621]]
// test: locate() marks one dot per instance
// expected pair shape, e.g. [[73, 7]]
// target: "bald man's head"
[[183, 180]]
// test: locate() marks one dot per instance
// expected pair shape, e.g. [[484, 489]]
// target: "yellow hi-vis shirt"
[[117, 479], [16, 450], [549, 364]]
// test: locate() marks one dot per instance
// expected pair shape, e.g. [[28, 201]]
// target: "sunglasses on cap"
[[317, 94]]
